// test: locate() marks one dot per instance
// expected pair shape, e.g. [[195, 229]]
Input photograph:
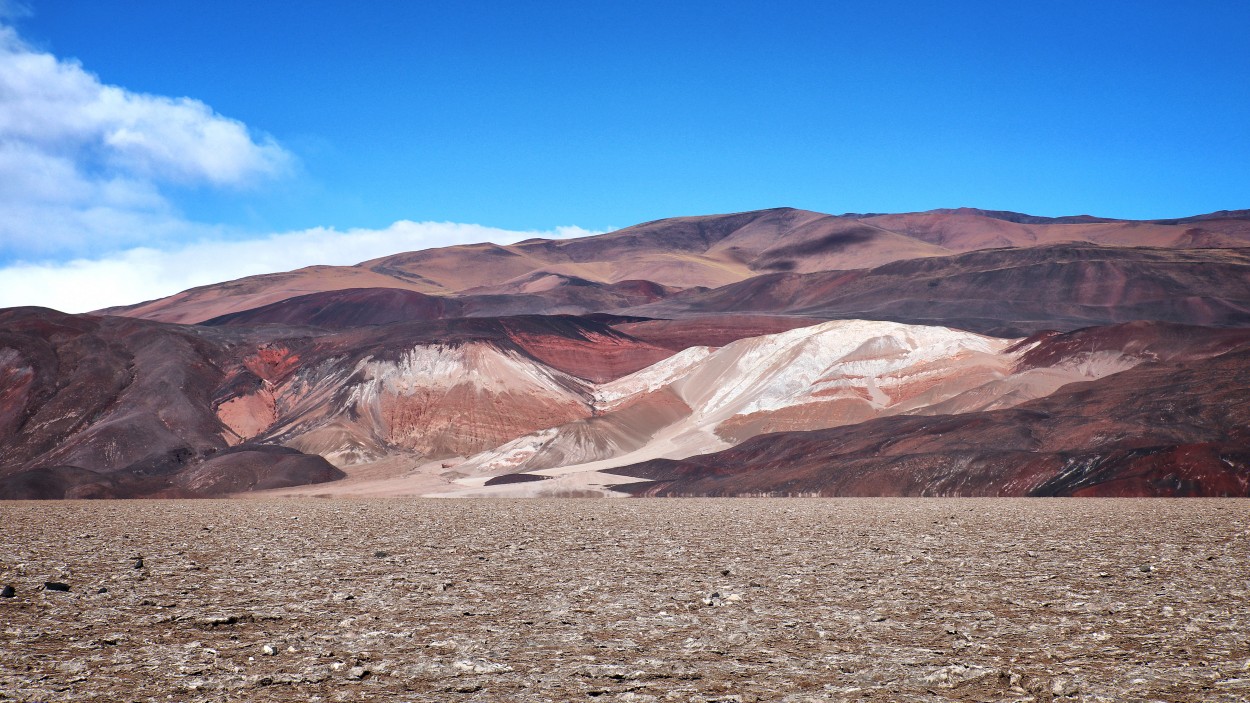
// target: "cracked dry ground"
[[627, 600]]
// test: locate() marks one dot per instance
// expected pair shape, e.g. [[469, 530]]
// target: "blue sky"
[[309, 122]]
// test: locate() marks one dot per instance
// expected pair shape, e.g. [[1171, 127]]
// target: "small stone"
[[357, 673], [102, 589], [1063, 687], [268, 650], [139, 563], [1146, 568], [480, 666], [7, 592], [55, 586], [381, 554]]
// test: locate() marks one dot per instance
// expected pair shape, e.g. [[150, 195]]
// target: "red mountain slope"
[[117, 407], [1175, 427], [110, 406]]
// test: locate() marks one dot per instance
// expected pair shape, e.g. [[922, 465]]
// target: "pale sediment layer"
[[691, 600]]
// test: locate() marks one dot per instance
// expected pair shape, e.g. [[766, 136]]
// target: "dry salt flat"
[[626, 600]]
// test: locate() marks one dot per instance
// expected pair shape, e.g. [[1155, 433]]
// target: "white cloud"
[[82, 168], [82, 162], [145, 273]]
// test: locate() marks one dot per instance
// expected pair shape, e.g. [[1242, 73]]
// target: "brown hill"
[[685, 252], [1006, 292], [1174, 427], [354, 307]]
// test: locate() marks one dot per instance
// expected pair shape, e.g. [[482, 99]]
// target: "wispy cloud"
[[85, 168], [145, 273], [83, 163]]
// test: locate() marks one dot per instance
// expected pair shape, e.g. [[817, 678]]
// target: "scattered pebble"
[[716, 598], [357, 673], [481, 666], [1062, 687]]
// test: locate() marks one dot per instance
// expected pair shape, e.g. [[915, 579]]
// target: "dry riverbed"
[[626, 600]]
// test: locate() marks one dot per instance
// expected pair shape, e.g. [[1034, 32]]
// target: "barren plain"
[[626, 600]]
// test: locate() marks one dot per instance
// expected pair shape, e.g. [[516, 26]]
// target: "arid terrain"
[[948, 353], [626, 600]]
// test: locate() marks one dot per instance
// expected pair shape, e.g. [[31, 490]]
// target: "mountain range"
[[776, 352]]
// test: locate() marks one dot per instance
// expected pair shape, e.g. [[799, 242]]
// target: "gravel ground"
[[626, 600]]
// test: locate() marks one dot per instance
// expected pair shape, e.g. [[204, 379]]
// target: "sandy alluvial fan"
[[779, 352]]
